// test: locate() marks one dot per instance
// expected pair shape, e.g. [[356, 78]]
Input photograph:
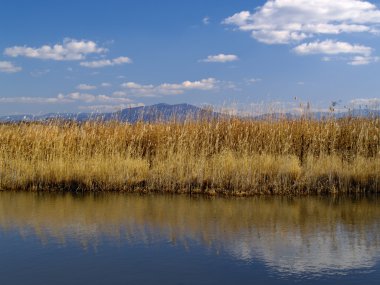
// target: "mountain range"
[[180, 112]]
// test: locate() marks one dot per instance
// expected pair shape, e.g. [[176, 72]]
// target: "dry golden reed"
[[229, 156]]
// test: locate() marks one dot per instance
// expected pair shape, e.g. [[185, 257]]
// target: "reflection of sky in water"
[[316, 236], [317, 253]]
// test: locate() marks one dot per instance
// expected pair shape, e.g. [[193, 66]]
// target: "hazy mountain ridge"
[[180, 112]]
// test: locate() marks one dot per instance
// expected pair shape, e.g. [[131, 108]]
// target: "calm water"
[[130, 239]]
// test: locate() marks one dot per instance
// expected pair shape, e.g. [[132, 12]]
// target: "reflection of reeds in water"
[[290, 234], [205, 156]]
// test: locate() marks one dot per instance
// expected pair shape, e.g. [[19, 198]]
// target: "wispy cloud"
[[86, 87], [89, 98], [39, 73], [363, 60], [331, 47], [105, 84], [70, 49], [362, 54], [29, 100], [206, 20], [251, 81], [366, 102], [106, 62], [169, 88], [109, 108], [74, 97], [221, 58], [9, 67]]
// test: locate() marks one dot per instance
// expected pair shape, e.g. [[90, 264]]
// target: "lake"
[[52, 238]]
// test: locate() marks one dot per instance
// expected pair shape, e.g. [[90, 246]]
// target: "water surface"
[[131, 239]]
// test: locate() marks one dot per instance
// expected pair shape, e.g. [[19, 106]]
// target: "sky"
[[102, 56]]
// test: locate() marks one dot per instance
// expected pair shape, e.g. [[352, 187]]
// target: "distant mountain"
[[163, 112], [180, 112], [159, 112]]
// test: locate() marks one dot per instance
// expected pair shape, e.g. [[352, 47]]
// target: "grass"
[[226, 156]]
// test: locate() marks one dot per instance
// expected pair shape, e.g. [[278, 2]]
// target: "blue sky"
[[86, 56]]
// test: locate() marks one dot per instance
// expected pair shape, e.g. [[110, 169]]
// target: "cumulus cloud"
[[123, 96], [287, 21], [86, 87], [9, 67], [169, 88], [221, 58], [204, 84], [70, 49], [362, 54], [106, 62]]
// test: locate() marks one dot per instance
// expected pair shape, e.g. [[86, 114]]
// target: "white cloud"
[[138, 89], [204, 84], [366, 102], [89, 98], [77, 96], [206, 20], [106, 62], [29, 100], [326, 58], [286, 21], [9, 67], [70, 49], [253, 80], [331, 47], [362, 54], [86, 87], [133, 85], [39, 73], [363, 60], [170, 88], [222, 58], [106, 84], [119, 94], [74, 97]]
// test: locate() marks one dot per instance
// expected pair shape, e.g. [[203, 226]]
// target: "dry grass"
[[234, 156]]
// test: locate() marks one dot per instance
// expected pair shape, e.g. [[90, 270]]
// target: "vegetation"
[[228, 156]]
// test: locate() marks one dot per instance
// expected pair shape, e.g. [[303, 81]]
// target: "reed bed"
[[221, 156]]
